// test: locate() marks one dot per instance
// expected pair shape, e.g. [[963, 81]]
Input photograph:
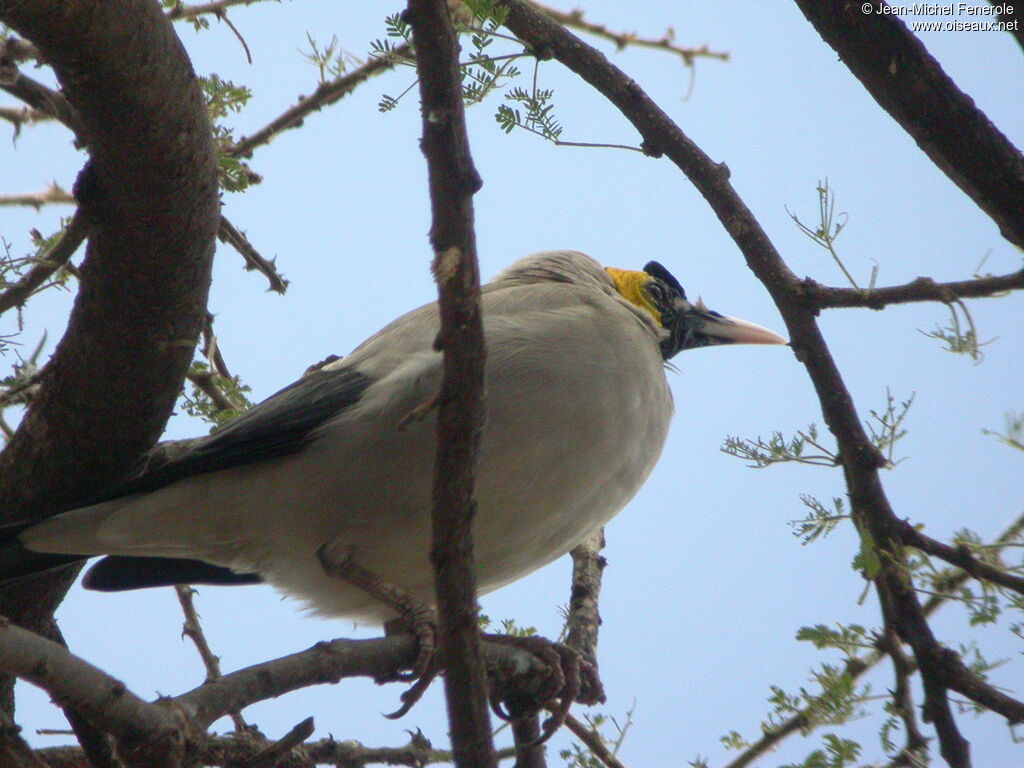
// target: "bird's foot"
[[572, 679], [415, 617]]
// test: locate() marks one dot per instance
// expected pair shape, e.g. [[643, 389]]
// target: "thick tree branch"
[[452, 181], [42, 99], [76, 684], [897, 70], [114, 377], [332, 661], [961, 557]]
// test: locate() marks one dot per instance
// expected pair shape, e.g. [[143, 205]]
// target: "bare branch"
[[14, 50], [584, 620], [39, 97], [19, 116], [453, 181], [916, 745], [944, 121], [53, 193], [75, 683], [919, 289], [227, 233], [330, 662], [194, 631], [217, 9], [575, 19], [593, 742]]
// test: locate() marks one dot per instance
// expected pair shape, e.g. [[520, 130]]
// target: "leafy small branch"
[[821, 521], [885, 428], [761, 453], [1013, 431], [826, 231]]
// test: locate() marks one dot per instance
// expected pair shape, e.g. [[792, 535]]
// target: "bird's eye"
[[657, 292]]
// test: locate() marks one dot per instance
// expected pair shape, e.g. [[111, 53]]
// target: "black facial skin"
[[683, 321]]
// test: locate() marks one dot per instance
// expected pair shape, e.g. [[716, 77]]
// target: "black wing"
[[276, 427]]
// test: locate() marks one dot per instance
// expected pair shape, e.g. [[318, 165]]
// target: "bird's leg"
[[418, 413], [417, 617], [572, 678]]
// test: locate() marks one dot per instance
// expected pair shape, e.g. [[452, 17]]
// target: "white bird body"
[[578, 409]]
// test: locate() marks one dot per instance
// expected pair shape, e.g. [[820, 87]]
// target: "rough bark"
[[149, 192]]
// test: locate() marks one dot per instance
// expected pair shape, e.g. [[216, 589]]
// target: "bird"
[[577, 413]]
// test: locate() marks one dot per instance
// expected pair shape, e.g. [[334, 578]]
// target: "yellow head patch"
[[630, 284]]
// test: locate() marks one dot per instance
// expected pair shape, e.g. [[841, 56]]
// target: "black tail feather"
[[118, 573]]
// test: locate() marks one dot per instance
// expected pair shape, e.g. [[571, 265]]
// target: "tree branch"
[[70, 239], [961, 557], [40, 98], [584, 619], [896, 69], [53, 193], [146, 271], [452, 181], [575, 19], [920, 289], [330, 662], [74, 683], [325, 94], [227, 233]]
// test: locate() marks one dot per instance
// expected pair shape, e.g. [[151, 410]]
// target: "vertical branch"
[[453, 181], [584, 619]]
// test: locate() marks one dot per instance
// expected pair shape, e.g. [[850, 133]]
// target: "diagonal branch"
[[896, 69], [75, 683], [325, 94], [70, 239]]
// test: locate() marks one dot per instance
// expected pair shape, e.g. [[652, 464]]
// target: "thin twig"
[[71, 238], [203, 9], [961, 557], [227, 233], [666, 42], [324, 95], [269, 757], [194, 631], [593, 741], [54, 193]]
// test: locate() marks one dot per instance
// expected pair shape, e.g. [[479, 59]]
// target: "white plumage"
[[578, 409]]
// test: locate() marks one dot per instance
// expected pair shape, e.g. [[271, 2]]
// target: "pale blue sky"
[[707, 585]]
